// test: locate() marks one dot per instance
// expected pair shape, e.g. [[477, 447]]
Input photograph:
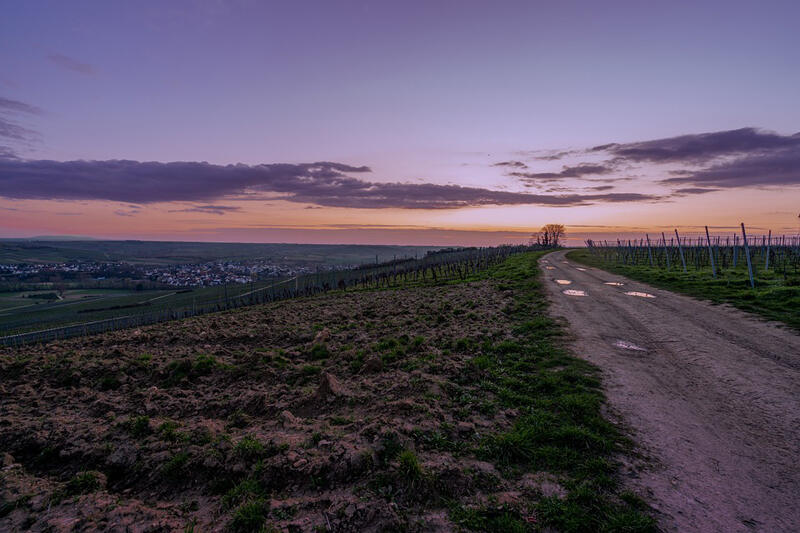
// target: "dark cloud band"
[[779, 168], [323, 183], [701, 147], [577, 171], [745, 157]]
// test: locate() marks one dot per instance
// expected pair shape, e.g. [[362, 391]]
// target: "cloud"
[[701, 162], [6, 152], [9, 105], [577, 171], [211, 209], [10, 130], [14, 132], [602, 188], [555, 156], [778, 168], [701, 147], [513, 164], [692, 190], [71, 64], [323, 184]]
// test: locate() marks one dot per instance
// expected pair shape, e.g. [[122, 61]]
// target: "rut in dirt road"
[[711, 394]]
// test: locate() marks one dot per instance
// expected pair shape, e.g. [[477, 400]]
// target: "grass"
[[250, 516], [176, 465], [186, 369], [82, 483], [490, 520], [560, 428], [139, 426], [409, 466], [775, 297]]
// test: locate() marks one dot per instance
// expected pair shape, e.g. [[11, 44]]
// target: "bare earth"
[[710, 393], [293, 407]]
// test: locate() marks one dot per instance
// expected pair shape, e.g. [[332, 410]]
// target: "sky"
[[431, 122]]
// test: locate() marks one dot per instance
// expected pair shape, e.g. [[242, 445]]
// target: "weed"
[[249, 448], [409, 466], [357, 362], [245, 490], [187, 369], [389, 448], [109, 382], [139, 426], [310, 370], [82, 483], [204, 364], [318, 352], [250, 516], [489, 520], [168, 430], [176, 465], [143, 360], [238, 419], [6, 507]]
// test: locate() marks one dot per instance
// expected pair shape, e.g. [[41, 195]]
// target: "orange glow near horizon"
[[292, 222]]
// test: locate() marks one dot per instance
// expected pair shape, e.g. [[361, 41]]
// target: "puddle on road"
[[625, 345], [614, 283], [640, 294], [581, 269], [563, 281], [573, 292], [550, 268]]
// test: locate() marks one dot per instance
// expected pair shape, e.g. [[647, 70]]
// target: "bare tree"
[[550, 235]]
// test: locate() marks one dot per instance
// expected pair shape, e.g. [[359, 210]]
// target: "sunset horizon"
[[440, 123]]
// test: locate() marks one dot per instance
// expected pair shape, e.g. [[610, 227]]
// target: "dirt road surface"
[[711, 394]]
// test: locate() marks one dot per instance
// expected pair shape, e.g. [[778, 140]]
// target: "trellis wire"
[[780, 255]]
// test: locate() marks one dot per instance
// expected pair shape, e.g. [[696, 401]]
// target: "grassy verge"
[[560, 428], [775, 297]]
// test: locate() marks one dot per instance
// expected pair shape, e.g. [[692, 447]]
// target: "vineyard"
[[756, 273], [434, 267], [781, 254]]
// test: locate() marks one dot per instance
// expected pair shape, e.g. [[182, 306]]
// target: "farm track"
[[711, 394]]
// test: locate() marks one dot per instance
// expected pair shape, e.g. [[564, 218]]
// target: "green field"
[[776, 296], [20, 314], [162, 252], [24, 299]]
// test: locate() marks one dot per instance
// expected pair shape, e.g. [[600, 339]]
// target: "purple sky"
[[427, 95]]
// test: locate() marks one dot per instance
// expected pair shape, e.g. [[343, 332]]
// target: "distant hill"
[[63, 249], [52, 238]]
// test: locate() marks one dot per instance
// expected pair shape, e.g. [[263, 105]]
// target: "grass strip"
[[776, 297]]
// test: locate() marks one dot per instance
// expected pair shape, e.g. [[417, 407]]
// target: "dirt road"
[[711, 394]]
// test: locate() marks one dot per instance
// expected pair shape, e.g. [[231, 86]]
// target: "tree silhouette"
[[550, 235]]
